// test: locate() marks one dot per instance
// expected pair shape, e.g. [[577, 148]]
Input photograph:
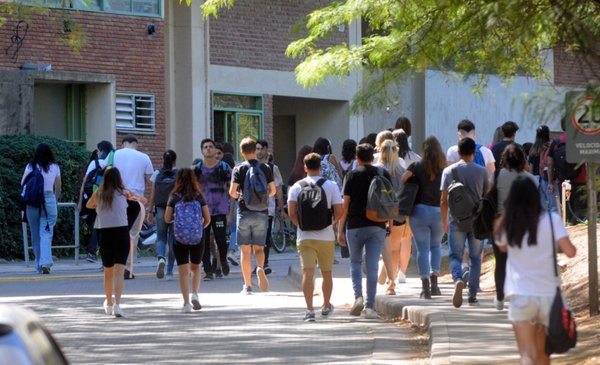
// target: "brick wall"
[[574, 69], [268, 119], [256, 33], [116, 44]]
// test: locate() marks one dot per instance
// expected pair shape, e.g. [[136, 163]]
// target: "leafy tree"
[[465, 37]]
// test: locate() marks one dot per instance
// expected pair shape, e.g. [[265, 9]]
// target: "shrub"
[[15, 153]]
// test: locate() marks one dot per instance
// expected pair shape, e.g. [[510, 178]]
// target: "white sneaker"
[[187, 308], [370, 313], [401, 278], [160, 269], [117, 311], [263, 282], [357, 307], [498, 304], [169, 277], [196, 302], [108, 309]]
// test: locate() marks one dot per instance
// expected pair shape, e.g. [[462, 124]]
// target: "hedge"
[[15, 153]]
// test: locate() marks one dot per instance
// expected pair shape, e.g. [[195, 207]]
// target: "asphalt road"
[[264, 328]]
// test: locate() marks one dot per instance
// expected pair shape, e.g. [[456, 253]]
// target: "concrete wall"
[[50, 110], [448, 100]]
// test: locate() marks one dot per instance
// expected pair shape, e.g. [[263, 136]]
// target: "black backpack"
[[564, 170], [90, 181], [313, 213], [461, 203], [163, 185], [485, 212]]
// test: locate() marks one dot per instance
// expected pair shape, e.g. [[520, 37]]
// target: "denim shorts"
[[531, 308], [252, 228]]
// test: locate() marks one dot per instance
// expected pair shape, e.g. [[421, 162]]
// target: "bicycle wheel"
[[279, 234]]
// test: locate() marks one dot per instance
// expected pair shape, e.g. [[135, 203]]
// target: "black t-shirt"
[[429, 190], [357, 187], [498, 148], [239, 174]]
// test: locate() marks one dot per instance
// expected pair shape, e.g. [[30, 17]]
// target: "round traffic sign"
[[586, 117]]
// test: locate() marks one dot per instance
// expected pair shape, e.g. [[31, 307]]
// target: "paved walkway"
[[468, 335]]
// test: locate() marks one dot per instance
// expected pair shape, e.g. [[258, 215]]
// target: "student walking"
[[110, 202], [251, 184], [426, 218], [104, 148], [42, 210], [513, 165], [330, 168], [362, 233], [526, 233], [397, 245], [314, 206], [469, 182], [163, 182], [188, 212], [214, 175]]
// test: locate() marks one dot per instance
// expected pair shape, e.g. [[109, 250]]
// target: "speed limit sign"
[[583, 131]]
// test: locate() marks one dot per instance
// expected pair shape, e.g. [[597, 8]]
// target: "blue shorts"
[[252, 228]]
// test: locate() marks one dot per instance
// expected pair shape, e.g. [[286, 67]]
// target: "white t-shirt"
[[49, 177], [133, 166], [410, 157], [333, 198], [278, 180], [530, 269], [453, 157]]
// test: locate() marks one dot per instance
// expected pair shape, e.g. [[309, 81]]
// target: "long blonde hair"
[[389, 156], [382, 137]]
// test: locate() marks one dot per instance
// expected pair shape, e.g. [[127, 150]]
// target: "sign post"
[[583, 145]]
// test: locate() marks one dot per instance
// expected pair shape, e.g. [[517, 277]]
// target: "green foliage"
[[464, 37], [15, 153]]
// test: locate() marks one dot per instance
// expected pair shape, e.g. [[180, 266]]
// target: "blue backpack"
[[32, 191], [188, 222], [255, 190], [479, 156]]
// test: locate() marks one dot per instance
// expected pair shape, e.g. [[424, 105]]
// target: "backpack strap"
[[553, 244], [321, 182], [111, 158], [96, 163], [454, 174]]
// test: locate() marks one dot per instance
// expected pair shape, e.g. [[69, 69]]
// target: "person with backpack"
[[462, 185], [252, 184], [528, 233], [189, 214], [330, 168], [513, 167], [362, 232], [214, 176], [110, 203], [163, 182], [348, 161], [314, 205], [483, 155], [90, 182], [559, 170], [426, 219], [40, 189], [538, 163]]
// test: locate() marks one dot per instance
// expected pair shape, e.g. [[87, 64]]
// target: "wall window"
[[236, 117], [135, 112], [132, 7]]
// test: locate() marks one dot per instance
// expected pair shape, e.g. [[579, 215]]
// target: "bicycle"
[[283, 232]]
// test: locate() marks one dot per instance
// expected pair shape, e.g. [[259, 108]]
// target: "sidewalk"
[[467, 335]]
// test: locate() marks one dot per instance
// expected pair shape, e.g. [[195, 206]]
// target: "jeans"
[[456, 241], [41, 225], [426, 224], [371, 239], [547, 200], [164, 235]]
